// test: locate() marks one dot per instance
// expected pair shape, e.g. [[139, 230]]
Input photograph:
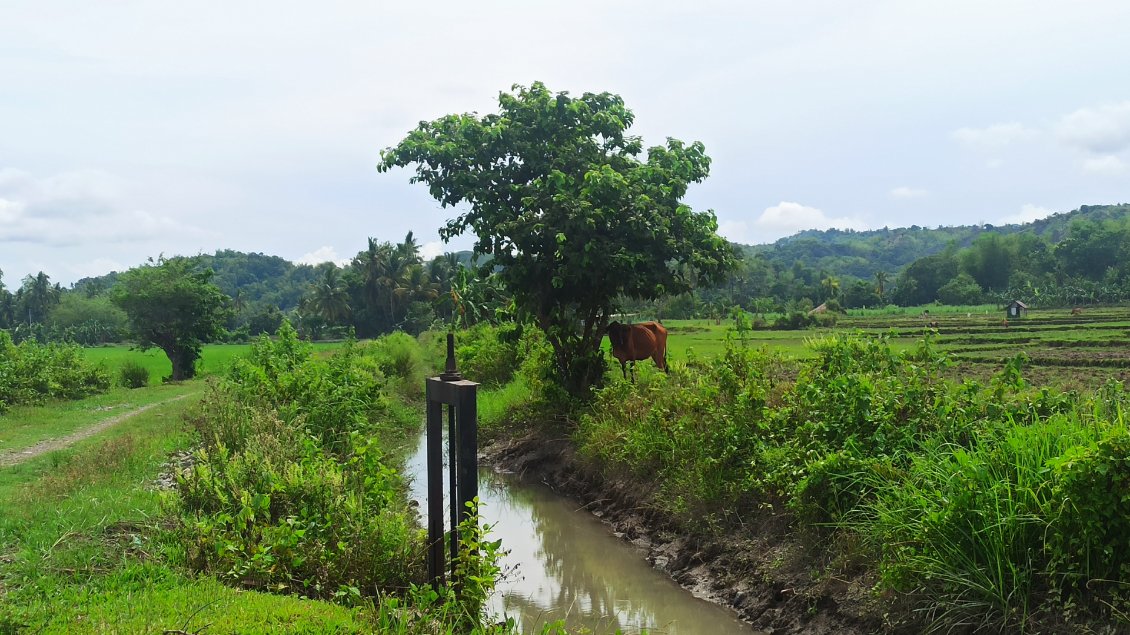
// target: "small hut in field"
[[1016, 309]]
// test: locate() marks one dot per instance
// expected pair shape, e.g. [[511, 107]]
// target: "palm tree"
[[880, 284], [330, 299], [239, 301], [831, 286], [39, 295], [309, 319], [371, 265]]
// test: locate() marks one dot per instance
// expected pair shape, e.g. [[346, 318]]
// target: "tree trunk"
[[184, 362], [580, 365]]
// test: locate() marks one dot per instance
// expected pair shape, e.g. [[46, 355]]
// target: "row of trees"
[[1090, 264], [1084, 263], [41, 310], [577, 222], [388, 287]]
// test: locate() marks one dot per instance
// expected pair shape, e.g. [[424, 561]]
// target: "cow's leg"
[[633, 371], [624, 368]]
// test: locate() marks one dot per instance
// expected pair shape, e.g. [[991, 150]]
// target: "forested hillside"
[[1066, 258], [861, 253], [1077, 257]]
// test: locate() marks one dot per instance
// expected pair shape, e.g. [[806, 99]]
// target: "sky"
[[133, 129]]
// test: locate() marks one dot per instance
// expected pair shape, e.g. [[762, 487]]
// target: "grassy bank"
[[94, 558], [293, 494], [986, 500]]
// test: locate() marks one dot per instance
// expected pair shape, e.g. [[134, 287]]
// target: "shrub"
[[836, 484], [290, 490], [489, 354], [400, 356], [329, 398], [1090, 538], [699, 434], [793, 321], [133, 374], [288, 517], [967, 529], [31, 372]]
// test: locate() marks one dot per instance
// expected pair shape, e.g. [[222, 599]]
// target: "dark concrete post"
[[460, 397]]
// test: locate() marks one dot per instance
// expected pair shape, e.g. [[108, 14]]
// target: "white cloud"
[[1028, 213], [735, 231], [325, 253], [94, 268], [1108, 165], [432, 249], [10, 211], [1101, 129], [788, 217], [82, 207], [994, 137], [905, 192]]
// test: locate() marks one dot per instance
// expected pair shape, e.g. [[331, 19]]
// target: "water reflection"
[[565, 565]]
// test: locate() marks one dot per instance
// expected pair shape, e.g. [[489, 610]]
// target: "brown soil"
[[15, 457], [763, 571]]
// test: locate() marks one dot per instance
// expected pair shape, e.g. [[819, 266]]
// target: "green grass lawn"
[[23, 426], [214, 358], [83, 550]]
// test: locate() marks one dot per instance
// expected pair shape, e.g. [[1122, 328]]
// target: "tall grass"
[[966, 530]]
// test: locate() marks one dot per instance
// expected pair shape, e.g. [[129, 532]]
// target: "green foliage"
[[133, 374], [573, 218], [87, 321], [794, 321], [290, 490], [173, 305], [962, 289], [254, 279], [489, 354], [401, 358], [329, 399], [696, 434], [1090, 539], [32, 372], [966, 528], [279, 514], [995, 506]]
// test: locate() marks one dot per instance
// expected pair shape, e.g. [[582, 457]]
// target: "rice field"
[[215, 358], [1071, 350]]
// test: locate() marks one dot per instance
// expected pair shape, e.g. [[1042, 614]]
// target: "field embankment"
[[84, 542], [287, 512], [792, 488]]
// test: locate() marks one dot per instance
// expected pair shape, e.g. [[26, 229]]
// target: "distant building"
[[1016, 309]]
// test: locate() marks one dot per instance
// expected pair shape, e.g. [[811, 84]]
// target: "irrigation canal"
[[564, 564]]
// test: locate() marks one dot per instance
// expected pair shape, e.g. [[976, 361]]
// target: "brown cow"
[[633, 342], [1076, 311]]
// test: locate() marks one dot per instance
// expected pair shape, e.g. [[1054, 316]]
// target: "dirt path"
[[8, 459]]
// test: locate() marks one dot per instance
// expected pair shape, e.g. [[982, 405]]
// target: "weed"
[[133, 374]]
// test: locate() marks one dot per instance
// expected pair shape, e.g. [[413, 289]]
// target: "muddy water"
[[564, 564]]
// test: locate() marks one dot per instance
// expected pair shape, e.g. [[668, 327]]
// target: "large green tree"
[[173, 305], [558, 194]]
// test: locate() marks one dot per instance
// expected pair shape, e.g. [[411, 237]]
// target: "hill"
[[860, 254]]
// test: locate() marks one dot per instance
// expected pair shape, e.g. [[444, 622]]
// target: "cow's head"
[[618, 334]]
